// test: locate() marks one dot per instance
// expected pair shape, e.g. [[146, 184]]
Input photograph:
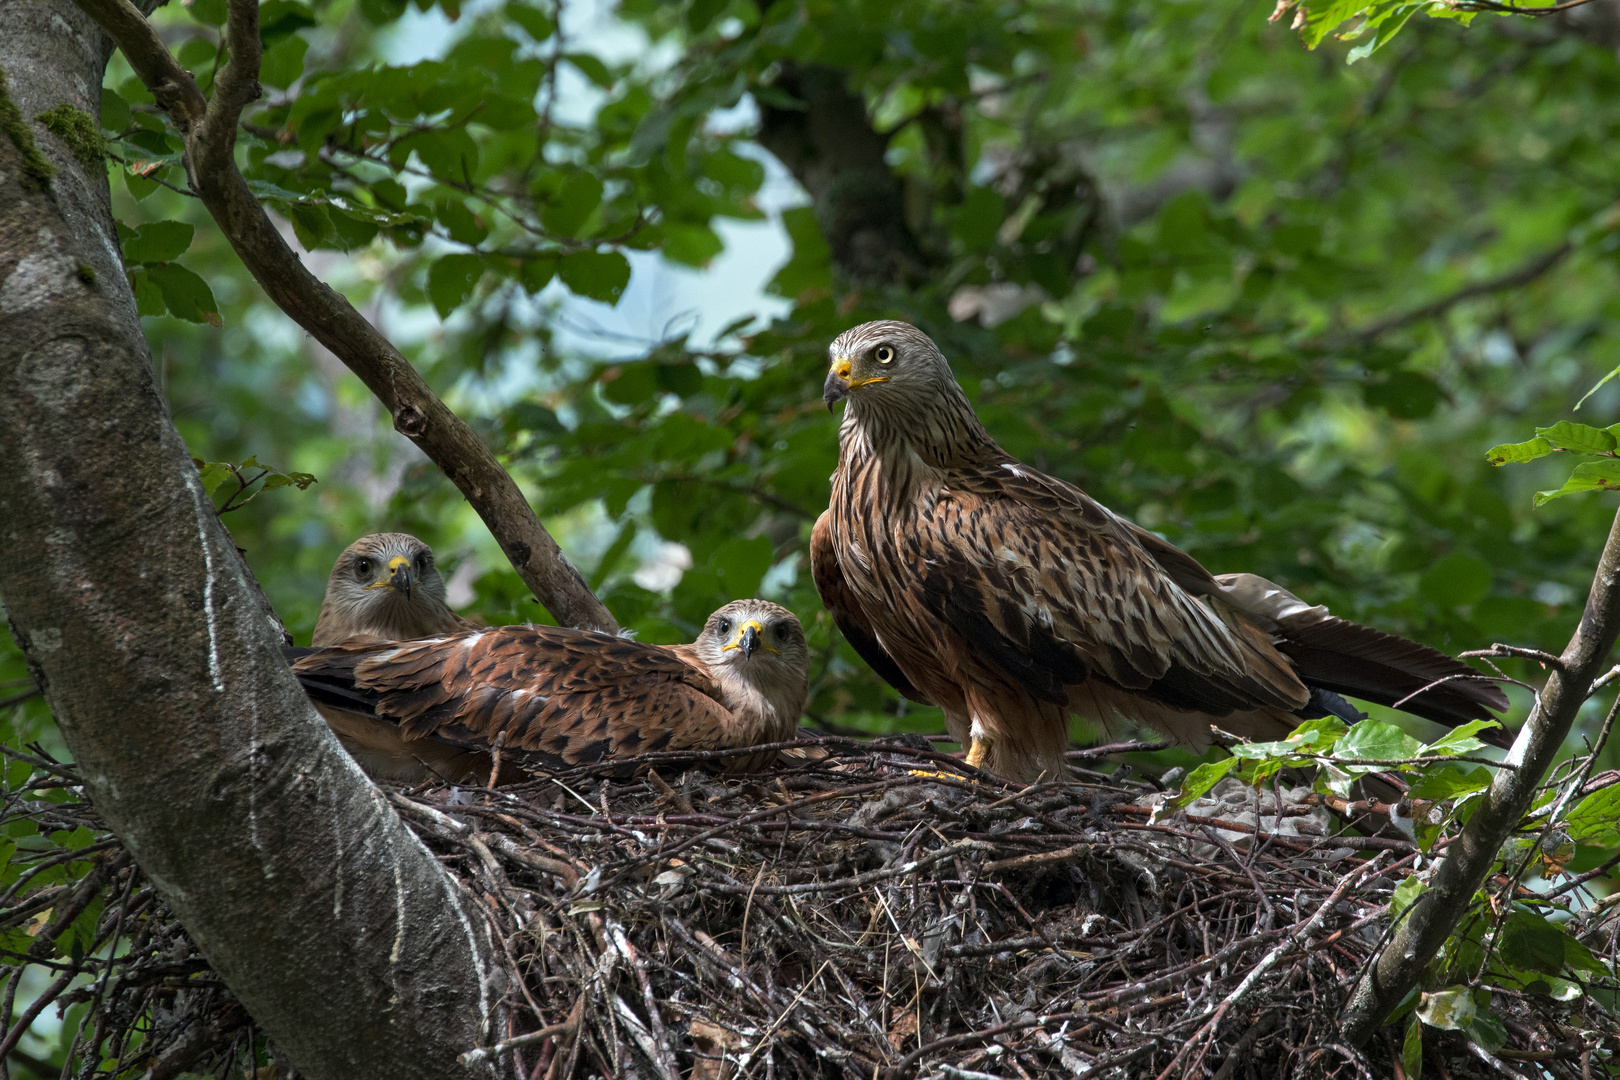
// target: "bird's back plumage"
[[552, 697]]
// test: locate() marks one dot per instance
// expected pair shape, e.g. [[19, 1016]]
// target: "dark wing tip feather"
[[1348, 658], [327, 676]]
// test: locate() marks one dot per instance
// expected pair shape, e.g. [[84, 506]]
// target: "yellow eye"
[[883, 354]]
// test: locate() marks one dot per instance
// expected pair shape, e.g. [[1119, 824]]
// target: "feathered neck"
[[767, 699], [944, 434]]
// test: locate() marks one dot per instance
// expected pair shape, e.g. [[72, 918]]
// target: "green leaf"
[[1199, 781], [1451, 1009], [284, 62], [1588, 476], [310, 223], [158, 242], [115, 114], [693, 245], [452, 280], [598, 275], [1406, 894], [1487, 1032], [211, 12], [187, 296], [579, 195], [592, 68], [300, 480], [1596, 818], [1460, 740], [1580, 438], [1449, 781], [702, 13], [1517, 452], [1385, 25], [535, 21], [1412, 1050], [279, 18], [464, 228], [148, 297], [1529, 941], [1580, 958], [1377, 741], [1311, 737]]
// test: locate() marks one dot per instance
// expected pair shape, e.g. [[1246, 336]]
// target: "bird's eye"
[[422, 563], [883, 354], [724, 626], [363, 567]]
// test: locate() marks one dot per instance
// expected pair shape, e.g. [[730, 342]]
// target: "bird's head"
[[901, 393], [385, 573], [762, 643], [886, 363]]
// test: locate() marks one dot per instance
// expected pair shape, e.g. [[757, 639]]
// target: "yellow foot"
[[977, 750], [935, 774]]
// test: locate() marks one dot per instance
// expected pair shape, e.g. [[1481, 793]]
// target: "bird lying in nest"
[[1011, 599], [548, 696]]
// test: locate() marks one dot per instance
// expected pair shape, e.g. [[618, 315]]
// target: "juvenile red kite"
[[411, 710], [385, 586], [1012, 599]]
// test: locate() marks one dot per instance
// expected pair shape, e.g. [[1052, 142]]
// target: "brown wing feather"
[[559, 696], [847, 612], [1348, 658], [1055, 588]]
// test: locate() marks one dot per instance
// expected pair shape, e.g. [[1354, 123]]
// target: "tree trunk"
[[331, 922], [830, 147]]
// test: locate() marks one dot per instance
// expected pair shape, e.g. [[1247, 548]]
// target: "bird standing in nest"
[[384, 586], [1012, 599], [554, 697]]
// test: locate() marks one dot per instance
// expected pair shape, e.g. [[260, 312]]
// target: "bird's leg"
[[978, 744], [977, 749]]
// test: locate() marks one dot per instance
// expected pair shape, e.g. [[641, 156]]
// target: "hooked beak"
[[399, 574], [749, 639], [839, 384]]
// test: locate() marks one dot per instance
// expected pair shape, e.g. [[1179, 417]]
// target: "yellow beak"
[[750, 638], [839, 384], [399, 576]]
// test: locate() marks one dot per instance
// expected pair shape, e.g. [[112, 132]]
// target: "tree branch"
[[1469, 859], [209, 130], [1514, 279]]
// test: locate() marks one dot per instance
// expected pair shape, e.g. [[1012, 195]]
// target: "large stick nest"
[[865, 910]]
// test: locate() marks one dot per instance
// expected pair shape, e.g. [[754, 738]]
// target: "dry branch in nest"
[[866, 910]]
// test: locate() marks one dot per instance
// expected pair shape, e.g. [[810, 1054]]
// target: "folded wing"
[[553, 696], [846, 610], [1056, 589]]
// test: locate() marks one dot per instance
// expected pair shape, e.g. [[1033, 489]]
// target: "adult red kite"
[[1012, 599]]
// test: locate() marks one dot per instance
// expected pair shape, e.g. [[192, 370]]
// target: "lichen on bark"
[[37, 171]]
